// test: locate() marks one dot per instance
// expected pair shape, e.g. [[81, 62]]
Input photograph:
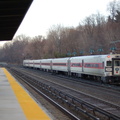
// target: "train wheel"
[[98, 78]]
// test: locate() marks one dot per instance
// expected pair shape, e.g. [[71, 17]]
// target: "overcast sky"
[[43, 14]]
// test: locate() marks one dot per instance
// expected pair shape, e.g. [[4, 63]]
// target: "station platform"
[[15, 102]]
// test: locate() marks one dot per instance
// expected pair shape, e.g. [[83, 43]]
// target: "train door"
[[33, 64], [69, 65], [51, 65], [116, 66], [82, 65], [40, 64]]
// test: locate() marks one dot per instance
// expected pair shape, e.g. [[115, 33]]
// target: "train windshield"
[[117, 63], [109, 63]]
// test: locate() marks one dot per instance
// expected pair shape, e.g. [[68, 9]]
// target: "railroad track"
[[103, 92], [72, 102], [78, 80]]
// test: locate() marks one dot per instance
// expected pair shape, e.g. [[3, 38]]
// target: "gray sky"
[[45, 13]]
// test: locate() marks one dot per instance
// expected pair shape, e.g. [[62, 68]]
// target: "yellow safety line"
[[30, 108]]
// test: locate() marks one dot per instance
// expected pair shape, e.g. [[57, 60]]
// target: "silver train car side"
[[104, 68]]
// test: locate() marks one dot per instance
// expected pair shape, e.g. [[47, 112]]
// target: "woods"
[[96, 34]]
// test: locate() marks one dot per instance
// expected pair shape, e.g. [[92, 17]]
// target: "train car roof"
[[12, 13], [95, 56], [88, 56], [61, 58]]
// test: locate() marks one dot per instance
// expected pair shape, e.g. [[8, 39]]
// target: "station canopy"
[[12, 13]]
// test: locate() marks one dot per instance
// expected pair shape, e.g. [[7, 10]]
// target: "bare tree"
[[113, 7]]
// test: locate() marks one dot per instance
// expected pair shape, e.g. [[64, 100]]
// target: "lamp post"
[[81, 52], [100, 50], [113, 45], [68, 54], [74, 53], [91, 51]]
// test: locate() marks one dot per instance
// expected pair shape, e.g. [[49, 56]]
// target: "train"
[[103, 68]]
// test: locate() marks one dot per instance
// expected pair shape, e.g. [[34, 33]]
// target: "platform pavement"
[[15, 102]]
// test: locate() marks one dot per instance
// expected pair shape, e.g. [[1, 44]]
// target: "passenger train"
[[105, 68]]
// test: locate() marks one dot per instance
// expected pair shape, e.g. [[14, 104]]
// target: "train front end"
[[112, 68]]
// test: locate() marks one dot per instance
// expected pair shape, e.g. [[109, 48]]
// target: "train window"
[[117, 63], [109, 63], [76, 64], [96, 65]]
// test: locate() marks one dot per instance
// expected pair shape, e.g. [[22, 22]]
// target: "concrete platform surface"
[[15, 102]]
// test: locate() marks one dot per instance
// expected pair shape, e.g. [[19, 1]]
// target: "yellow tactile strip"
[[30, 108]]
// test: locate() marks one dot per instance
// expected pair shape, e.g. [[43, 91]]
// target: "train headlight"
[[108, 56]]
